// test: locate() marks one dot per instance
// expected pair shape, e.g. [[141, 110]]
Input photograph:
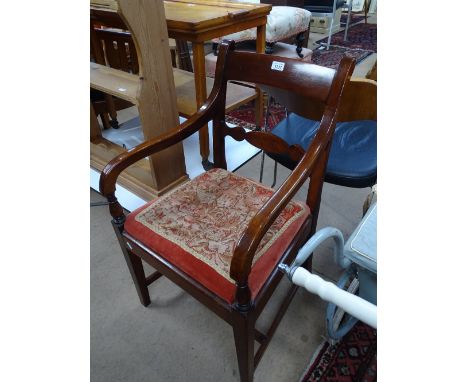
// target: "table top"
[[196, 16], [202, 14]]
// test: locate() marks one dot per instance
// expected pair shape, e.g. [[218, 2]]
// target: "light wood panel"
[[115, 82], [125, 85]]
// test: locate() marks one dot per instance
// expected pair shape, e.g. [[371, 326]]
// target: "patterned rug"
[[331, 58], [244, 116], [353, 359], [360, 36], [355, 18]]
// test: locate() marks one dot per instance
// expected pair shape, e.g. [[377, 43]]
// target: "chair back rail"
[[119, 49], [309, 81]]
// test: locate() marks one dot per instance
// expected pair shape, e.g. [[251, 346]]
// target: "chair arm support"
[[113, 169], [248, 243]]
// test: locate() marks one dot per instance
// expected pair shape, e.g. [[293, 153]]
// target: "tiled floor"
[[178, 339]]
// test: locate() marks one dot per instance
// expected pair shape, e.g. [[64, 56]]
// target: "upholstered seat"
[[197, 225], [282, 23], [353, 155]]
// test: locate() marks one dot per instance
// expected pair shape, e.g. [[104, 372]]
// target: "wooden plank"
[[106, 4], [115, 82], [125, 85], [185, 89], [137, 178]]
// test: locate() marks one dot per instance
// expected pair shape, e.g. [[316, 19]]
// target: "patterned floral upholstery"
[[197, 225], [282, 23]]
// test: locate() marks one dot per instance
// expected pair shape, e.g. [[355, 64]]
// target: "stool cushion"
[[280, 49], [197, 225], [353, 155], [282, 23]]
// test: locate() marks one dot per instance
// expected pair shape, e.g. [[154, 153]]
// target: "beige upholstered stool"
[[282, 23]]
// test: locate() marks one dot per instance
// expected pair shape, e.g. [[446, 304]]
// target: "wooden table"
[[202, 20]]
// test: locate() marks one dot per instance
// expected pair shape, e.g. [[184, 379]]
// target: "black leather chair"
[[353, 155]]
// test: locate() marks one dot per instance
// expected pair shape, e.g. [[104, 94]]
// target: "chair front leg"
[[244, 337], [135, 266]]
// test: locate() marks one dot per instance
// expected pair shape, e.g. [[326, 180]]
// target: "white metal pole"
[[331, 25], [348, 19]]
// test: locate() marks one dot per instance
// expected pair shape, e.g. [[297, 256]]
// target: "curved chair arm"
[[248, 243], [315, 156], [112, 170]]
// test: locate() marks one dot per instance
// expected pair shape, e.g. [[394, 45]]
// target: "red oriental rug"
[[353, 359], [331, 58], [244, 116], [355, 18], [360, 36]]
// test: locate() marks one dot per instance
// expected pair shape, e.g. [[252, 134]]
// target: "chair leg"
[[244, 336], [261, 166], [135, 266], [274, 174], [105, 121], [265, 127], [269, 47], [110, 105], [331, 25]]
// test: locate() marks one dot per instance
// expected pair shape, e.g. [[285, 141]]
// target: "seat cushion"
[[282, 23], [353, 156], [197, 225]]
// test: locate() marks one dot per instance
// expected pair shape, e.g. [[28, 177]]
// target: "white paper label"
[[276, 65]]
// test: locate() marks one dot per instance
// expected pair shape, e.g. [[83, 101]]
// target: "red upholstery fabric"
[[197, 225]]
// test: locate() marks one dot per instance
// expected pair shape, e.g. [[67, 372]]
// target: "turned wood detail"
[[266, 142]]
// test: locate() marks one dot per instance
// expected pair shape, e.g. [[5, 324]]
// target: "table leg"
[[95, 130], [261, 43], [200, 94]]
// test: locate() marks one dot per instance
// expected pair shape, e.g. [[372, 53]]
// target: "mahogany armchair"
[[220, 236]]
